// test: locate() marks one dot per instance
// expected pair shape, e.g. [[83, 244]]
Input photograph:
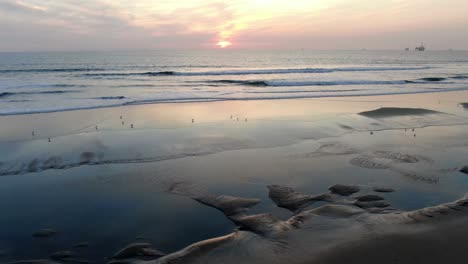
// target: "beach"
[[233, 132], [172, 174]]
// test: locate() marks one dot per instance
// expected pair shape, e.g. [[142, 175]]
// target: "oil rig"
[[420, 48]]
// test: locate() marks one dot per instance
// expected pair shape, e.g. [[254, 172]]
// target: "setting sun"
[[223, 43]]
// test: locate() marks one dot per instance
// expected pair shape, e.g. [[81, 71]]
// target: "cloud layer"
[[29, 25]]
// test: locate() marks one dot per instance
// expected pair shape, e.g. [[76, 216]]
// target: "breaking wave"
[[304, 83], [42, 70], [8, 94], [256, 71]]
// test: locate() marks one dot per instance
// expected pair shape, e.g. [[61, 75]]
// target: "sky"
[[66, 25]]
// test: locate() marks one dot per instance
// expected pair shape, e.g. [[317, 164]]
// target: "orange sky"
[[236, 24]]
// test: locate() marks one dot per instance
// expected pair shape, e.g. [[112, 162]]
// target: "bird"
[[48, 139], [123, 123], [33, 134], [131, 126], [120, 117], [193, 120], [96, 127]]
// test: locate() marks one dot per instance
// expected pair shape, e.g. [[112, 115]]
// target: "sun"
[[224, 44]]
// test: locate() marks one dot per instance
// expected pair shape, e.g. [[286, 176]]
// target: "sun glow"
[[224, 43]]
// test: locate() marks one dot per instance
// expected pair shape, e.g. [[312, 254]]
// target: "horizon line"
[[225, 50]]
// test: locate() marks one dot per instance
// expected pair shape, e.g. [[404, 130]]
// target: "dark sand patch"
[[372, 204], [292, 200], [383, 189], [369, 198], [137, 250], [396, 111], [336, 211], [344, 190], [261, 224], [288, 198], [229, 205], [379, 222]]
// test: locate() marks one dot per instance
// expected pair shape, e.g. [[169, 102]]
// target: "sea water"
[[46, 82]]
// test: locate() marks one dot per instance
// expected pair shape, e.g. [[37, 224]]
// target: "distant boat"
[[420, 48]]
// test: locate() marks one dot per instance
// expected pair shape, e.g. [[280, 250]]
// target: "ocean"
[[59, 81]]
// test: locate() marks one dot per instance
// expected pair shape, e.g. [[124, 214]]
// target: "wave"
[[159, 73], [190, 99], [18, 101], [257, 71], [117, 74], [60, 85], [303, 91], [7, 94], [305, 83], [240, 82], [40, 70], [134, 85], [433, 79], [320, 83], [111, 97]]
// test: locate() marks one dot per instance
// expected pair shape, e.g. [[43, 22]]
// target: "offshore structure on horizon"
[[420, 48]]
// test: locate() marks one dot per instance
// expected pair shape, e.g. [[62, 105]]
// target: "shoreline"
[[210, 100]]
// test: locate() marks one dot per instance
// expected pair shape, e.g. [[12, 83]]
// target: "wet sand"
[[172, 175]]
